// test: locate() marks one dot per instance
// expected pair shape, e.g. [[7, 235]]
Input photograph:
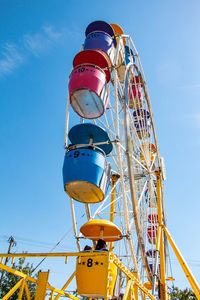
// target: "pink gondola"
[[88, 91], [96, 58], [88, 88], [136, 93]]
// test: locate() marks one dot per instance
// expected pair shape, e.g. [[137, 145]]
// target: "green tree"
[[185, 294], [8, 280]]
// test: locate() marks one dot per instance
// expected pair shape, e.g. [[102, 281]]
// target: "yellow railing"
[[134, 286]]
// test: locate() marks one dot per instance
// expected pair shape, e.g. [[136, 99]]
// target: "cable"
[[5, 238], [62, 238], [170, 264], [55, 245]]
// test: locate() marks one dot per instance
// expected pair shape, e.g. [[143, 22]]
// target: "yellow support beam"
[[66, 284], [116, 261], [21, 291], [114, 179], [131, 276], [194, 285], [17, 273], [13, 290], [28, 278], [51, 296], [52, 254], [126, 293], [135, 289], [42, 283], [163, 284], [158, 238], [160, 246], [28, 296], [143, 296]]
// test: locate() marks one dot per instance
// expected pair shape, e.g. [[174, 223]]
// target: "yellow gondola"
[[101, 229]]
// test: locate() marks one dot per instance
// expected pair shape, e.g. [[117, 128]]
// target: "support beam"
[[28, 296], [66, 284], [131, 276], [163, 285], [74, 223], [42, 283], [48, 254], [194, 285], [21, 291], [127, 289], [13, 290], [114, 179], [52, 296], [33, 280], [135, 291], [158, 239], [17, 273]]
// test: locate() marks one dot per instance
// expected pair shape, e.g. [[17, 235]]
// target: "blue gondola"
[[151, 253], [86, 173], [100, 35], [142, 122], [128, 55]]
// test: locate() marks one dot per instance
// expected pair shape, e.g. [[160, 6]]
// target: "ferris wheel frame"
[[121, 97]]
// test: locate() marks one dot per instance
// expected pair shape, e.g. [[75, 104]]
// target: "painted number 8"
[[89, 262]]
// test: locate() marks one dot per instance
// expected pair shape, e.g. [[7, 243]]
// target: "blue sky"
[[38, 40]]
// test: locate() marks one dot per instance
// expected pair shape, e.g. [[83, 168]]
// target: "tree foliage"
[[185, 294], [8, 280]]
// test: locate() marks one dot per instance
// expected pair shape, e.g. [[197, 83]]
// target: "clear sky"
[[38, 40]]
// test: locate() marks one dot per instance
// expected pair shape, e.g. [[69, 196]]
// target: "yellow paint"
[[118, 31], [114, 179], [16, 272], [41, 285], [44, 254], [135, 292], [194, 285], [170, 278], [149, 150], [101, 229], [33, 280], [107, 272], [21, 291], [66, 284], [110, 272], [127, 291], [163, 285], [28, 296], [84, 191], [148, 285], [11, 292], [131, 276], [95, 275]]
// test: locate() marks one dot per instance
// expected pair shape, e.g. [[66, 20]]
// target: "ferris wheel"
[[113, 177], [112, 168]]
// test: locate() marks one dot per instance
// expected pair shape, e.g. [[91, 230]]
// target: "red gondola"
[[152, 233], [153, 218]]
